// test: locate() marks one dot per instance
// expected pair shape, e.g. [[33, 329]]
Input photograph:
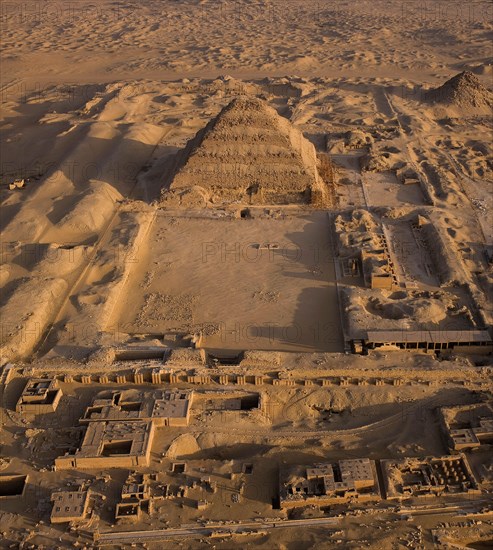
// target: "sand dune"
[[195, 191]]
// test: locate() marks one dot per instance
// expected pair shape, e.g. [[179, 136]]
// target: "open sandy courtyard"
[[259, 283]]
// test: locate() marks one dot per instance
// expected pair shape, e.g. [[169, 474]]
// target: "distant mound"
[[482, 69], [464, 91], [248, 154]]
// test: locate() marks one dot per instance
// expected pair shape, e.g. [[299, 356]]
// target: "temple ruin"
[[344, 481]]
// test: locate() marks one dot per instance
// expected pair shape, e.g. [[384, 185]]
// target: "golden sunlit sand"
[[247, 274]]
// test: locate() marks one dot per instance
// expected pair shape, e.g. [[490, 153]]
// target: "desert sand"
[[247, 188]]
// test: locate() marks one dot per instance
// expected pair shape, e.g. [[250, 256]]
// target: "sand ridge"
[[282, 206]]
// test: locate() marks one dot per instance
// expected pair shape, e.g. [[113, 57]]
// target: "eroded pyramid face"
[[250, 154], [463, 90]]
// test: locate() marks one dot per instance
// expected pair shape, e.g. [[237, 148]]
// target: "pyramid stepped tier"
[[463, 90], [249, 154]]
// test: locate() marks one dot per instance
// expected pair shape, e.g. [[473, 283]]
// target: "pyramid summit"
[[248, 153], [463, 90]]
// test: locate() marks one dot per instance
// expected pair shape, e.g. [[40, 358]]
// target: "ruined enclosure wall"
[[446, 261]]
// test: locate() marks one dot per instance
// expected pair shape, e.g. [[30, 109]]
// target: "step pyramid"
[[248, 154]]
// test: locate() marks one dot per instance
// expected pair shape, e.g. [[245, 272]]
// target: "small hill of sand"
[[183, 445], [464, 91], [248, 153]]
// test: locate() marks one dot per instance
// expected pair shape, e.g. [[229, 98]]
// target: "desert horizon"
[[246, 274]]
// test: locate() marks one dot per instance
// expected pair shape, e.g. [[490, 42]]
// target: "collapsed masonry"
[[345, 481], [464, 90], [40, 396], [121, 428], [111, 445], [135, 497], [361, 240], [468, 426], [163, 407], [428, 477], [247, 154]]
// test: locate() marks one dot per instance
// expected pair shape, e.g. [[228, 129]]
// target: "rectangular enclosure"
[[117, 448], [266, 282], [12, 485]]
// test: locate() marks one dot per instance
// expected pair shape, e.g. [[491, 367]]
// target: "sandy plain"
[[98, 104]]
